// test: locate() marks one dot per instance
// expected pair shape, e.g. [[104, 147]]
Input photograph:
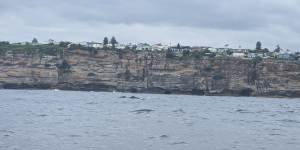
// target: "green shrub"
[[218, 76], [208, 69], [64, 65], [170, 54]]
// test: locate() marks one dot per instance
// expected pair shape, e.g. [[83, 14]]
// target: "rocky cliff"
[[151, 72]]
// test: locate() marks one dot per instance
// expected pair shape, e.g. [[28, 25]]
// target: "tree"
[[134, 47], [229, 52], [51, 41], [34, 41], [105, 41], [64, 65], [266, 50], [64, 44], [4, 43], [170, 54], [186, 53], [277, 49], [178, 46], [113, 42], [258, 45]]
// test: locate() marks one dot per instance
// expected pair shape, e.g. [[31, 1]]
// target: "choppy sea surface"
[[69, 120]]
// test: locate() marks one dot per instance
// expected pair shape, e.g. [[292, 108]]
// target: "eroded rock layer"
[[151, 72]]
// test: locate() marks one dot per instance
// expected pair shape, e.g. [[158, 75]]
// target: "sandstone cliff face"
[[151, 72]]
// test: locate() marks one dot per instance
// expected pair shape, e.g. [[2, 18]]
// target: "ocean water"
[[69, 120]]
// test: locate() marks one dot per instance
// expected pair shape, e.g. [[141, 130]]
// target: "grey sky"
[[193, 22]]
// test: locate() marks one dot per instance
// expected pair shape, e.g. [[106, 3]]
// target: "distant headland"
[[158, 68]]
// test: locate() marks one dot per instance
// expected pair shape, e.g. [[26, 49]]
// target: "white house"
[[22, 43], [180, 49], [130, 45], [143, 46], [238, 54], [159, 47], [201, 48], [84, 43], [213, 50], [251, 55], [120, 46], [222, 50], [94, 44], [287, 54]]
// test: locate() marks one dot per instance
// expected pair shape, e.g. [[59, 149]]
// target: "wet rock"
[[246, 92], [198, 92], [141, 111], [289, 121], [178, 143], [92, 103], [134, 97], [74, 135], [275, 134], [179, 111], [131, 97], [167, 92], [164, 136], [243, 111], [7, 131]]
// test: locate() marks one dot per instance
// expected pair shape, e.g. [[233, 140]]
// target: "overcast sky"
[[192, 22]]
